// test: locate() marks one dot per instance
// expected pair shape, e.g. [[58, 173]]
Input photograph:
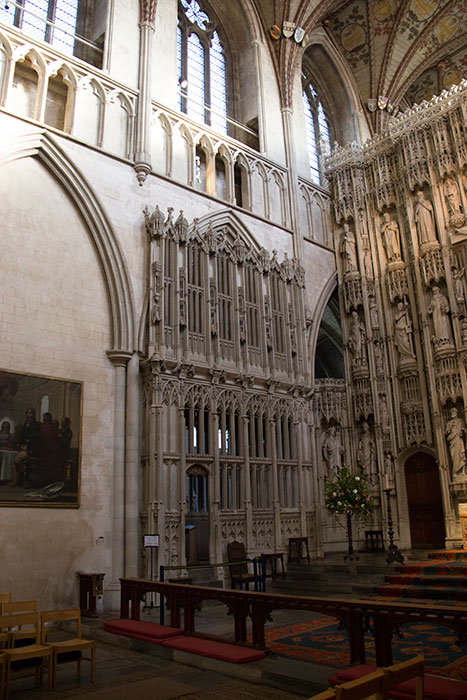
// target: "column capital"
[[148, 11], [119, 358]]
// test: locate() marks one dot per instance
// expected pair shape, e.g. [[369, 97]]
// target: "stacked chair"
[[26, 642]]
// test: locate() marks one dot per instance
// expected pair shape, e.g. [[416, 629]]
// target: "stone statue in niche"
[[357, 339], [458, 286], [463, 325], [391, 238], [348, 250], [389, 471], [366, 452], [455, 435], [424, 218], [453, 200], [439, 310], [384, 413], [379, 361], [373, 312], [332, 451], [403, 338], [368, 264]]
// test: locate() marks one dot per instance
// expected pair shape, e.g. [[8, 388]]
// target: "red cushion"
[[350, 674], [436, 687], [139, 629], [215, 650]]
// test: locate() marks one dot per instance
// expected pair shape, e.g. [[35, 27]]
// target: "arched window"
[[317, 130], [201, 66], [69, 25]]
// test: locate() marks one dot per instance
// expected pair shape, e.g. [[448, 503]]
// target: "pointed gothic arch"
[[42, 145]]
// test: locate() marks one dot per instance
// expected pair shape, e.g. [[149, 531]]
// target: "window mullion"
[[49, 27], [207, 81]]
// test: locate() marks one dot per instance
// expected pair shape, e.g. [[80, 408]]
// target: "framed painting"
[[40, 440]]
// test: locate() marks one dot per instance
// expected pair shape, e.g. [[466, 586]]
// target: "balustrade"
[[357, 616]]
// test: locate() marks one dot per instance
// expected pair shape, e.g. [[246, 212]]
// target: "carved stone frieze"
[[448, 379], [353, 297], [413, 424], [362, 397], [233, 527], [263, 532], [290, 527], [431, 263], [396, 281], [329, 400]]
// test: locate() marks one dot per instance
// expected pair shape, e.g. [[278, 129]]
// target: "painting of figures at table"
[[40, 426]]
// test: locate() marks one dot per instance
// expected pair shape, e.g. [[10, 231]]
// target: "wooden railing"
[[356, 616]]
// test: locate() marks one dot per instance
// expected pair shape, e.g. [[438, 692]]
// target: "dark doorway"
[[197, 518], [424, 498]]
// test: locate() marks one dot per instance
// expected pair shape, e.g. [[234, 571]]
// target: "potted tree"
[[348, 495]]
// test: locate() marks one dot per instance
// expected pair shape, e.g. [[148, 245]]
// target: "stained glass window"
[[317, 131], [201, 67], [53, 21]]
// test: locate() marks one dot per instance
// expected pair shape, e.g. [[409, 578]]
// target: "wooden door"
[[424, 499], [197, 518]]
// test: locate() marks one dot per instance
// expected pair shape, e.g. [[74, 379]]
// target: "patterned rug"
[[323, 642]]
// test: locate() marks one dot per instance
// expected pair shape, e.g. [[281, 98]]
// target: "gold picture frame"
[[40, 440]]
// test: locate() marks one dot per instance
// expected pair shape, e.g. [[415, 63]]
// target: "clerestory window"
[[68, 25], [317, 131], [202, 66]]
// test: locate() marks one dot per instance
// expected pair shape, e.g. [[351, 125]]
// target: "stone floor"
[[121, 672]]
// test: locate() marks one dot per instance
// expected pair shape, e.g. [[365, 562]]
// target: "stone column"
[[215, 548], [292, 178], [182, 484], [260, 92], [275, 487], [119, 360], [143, 111], [132, 469], [298, 441], [247, 484]]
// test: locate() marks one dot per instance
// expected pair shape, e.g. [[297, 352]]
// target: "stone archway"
[[424, 500]]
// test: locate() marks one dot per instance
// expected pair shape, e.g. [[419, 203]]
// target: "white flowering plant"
[[348, 495]]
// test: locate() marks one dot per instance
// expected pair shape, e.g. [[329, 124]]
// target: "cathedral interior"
[[234, 251]]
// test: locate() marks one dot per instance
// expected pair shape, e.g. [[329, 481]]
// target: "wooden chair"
[[4, 598], [404, 671], [19, 637], [373, 685], [325, 695], [238, 573], [30, 656], [2, 673], [69, 649]]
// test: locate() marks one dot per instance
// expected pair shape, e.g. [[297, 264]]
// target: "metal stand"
[[393, 551]]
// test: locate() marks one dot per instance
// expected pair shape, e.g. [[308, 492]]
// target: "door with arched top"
[[425, 502], [197, 518]]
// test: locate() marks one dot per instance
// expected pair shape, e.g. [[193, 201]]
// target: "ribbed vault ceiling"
[[404, 51]]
